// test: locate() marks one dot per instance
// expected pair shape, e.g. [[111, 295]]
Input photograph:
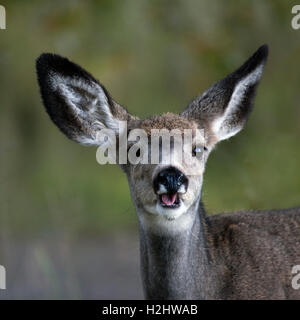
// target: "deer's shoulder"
[[265, 225]]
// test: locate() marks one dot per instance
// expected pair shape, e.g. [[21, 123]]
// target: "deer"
[[185, 253]]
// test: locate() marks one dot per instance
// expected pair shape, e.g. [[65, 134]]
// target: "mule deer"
[[184, 253]]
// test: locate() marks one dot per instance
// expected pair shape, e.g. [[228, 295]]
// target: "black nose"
[[169, 181]]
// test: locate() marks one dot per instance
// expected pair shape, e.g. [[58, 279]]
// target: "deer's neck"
[[176, 266]]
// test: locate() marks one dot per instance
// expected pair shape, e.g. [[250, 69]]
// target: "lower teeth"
[[176, 202]]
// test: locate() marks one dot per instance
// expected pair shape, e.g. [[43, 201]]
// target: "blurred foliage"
[[153, 56]]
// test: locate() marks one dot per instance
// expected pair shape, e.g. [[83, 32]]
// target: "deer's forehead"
[[167, 121]]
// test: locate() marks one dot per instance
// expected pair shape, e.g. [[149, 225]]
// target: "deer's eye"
[[198, 150], [138, 151]]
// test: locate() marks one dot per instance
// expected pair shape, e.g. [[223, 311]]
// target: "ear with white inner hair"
[[224, 108], [75, 101]]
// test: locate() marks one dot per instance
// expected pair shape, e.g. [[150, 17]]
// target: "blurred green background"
[[153, 57]]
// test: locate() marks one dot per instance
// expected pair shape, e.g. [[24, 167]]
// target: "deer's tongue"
[[168, 199]]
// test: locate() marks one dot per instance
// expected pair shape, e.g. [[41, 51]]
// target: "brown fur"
[[167, 121]]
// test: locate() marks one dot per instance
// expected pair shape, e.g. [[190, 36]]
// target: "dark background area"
[[67, 225]]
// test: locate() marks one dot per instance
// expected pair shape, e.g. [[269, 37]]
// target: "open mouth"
[[169, 200]]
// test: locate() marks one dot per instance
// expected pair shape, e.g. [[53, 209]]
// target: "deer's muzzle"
[[168, 184]]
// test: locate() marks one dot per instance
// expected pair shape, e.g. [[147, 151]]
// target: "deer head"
[[164, 192]]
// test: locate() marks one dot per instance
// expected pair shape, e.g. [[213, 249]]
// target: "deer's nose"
[[170, 180]]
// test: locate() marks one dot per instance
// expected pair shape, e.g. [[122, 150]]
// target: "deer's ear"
[[76, 102], [224, 108]]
